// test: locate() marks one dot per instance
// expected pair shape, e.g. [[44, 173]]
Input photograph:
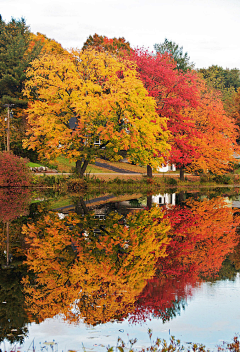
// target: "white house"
[[166, 168]]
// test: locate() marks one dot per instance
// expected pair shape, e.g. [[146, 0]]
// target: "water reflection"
[[202, 234], [13, 316], [101, 262]]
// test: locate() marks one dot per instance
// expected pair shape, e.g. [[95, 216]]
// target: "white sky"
[[207, 29]]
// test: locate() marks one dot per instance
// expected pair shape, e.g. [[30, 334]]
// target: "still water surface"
[[84, 271]]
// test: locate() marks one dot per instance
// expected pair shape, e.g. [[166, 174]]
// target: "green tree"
[[182, 59], [226, 81], [15, 57], [16, 52]]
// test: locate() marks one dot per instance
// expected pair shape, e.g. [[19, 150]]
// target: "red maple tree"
[[173, 91]]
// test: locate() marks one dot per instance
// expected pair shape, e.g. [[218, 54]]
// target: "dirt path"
[[114, 168]]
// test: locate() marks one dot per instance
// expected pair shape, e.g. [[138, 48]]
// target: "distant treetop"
[[102, 43], [171, 48]]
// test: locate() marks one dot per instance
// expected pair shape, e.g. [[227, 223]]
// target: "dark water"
[[81, 271]]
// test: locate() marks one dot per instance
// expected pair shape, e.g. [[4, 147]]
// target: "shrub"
[[170, 181], [222, 179], [13, 171], [204, 178]]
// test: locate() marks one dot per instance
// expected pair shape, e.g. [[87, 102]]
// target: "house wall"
[[166, 168]]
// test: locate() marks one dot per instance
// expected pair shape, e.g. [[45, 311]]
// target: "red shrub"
[[13, 171]]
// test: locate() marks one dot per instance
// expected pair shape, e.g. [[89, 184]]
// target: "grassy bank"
[[123, 184], [174, 345], [102, 179]]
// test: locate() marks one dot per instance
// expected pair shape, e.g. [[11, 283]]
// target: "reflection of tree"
[[227, 271], [162, 297], [13, 317], [14, 202], [202, 234], [231, 265], [101, 265]]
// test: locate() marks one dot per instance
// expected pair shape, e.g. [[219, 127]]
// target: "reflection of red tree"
[[163, 297], [202, 234], [13, 203]]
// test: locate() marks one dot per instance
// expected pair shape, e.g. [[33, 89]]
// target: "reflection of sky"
[[211, 315]]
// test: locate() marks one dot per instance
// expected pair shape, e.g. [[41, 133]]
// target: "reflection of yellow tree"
[[100, 265]]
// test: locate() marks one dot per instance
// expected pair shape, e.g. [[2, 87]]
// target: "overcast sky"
[[207, 29]]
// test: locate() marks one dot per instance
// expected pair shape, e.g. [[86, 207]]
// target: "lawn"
[[62, 164], [30, 164]]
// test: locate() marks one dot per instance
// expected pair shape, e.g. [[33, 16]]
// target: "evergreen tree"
[[17, 50], [16, 54], [182, 59]]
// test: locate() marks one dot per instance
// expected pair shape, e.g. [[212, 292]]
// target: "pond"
[[80, 271]]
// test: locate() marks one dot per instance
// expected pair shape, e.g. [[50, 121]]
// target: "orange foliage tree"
[[100, 265], [218, 133]]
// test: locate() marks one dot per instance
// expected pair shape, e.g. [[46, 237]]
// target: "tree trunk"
[[149, 171], [149, 202], [7, 228], [182, 174], [181, 197], [81, 207], [81, 167]]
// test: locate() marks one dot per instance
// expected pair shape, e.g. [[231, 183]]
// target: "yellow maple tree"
[[104, 98]]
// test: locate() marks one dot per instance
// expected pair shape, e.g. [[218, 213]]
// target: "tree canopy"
[[203, 136], [108, 102], [118, 46], [216, 142], [173, 91]]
